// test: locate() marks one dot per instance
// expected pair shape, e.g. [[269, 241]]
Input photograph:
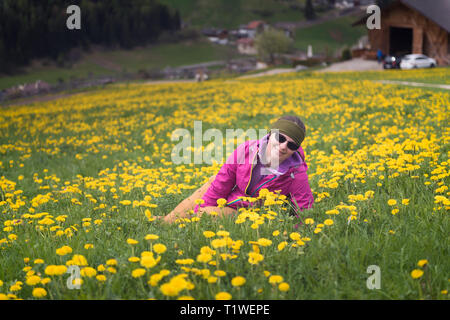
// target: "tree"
[[310, 14], [270, 43]]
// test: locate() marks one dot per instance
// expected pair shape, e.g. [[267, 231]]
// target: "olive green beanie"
[[291, 129]]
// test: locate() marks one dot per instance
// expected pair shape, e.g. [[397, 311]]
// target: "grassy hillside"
[[100, 62], [332, 34], [232, 13]]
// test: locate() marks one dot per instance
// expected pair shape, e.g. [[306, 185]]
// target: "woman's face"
[[277, 152]]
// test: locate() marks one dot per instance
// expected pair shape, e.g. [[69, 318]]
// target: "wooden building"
[[413, 26]]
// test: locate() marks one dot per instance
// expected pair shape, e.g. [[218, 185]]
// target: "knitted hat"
[[291, 129]]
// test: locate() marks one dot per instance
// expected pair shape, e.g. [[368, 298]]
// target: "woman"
[[276, 162]]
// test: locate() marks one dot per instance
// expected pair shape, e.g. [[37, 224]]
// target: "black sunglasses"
[[281, 139]]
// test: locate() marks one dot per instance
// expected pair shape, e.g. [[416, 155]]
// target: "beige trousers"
[[183, 208]]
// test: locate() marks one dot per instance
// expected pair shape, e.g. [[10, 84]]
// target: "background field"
[[103, 62], [327, 36], [83, 171]]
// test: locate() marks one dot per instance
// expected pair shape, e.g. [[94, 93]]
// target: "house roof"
[[438, 11], [254, 24]]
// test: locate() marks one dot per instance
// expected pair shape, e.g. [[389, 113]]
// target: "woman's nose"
[[283, 145]]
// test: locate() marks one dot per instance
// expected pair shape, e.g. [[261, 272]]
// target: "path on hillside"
[[415, 84], [268, 73], [355, 64]]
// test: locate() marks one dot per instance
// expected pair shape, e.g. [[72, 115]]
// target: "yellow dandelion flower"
[[134, 259], [218, 243], [392, 202], [275, 279], [416, 273], [212, 279], [33, 280], [284, 286], [101, 268], [159, 248], [263, 242], [100, 278], [39, 292], [208, 234], [111, 270], [184, 261], [154, 279], [295, 236], [221, 202], [79, 260], [151, 237], [220, 273], [255, 258], [204, 257], [136, 273], [223, 296], [422, 262], [148, 261], [111, 262], [88, 272], [63, 250], [282, 245], [238, 281], [223, 233], [132, 241]]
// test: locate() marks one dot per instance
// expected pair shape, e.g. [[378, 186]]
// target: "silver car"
[[412, 61]]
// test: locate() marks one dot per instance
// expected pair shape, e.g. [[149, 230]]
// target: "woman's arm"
[[224, 182], [220, 187], [301, 193]]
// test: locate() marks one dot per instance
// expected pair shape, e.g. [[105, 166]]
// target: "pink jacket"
[[233, 179]]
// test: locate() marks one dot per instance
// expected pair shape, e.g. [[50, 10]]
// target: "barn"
[[413, 26]]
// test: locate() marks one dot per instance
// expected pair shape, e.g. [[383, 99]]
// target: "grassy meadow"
[[115, 62], [82, 178]]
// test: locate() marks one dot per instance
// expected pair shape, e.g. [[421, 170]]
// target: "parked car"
[[392, 62], [412, 61]]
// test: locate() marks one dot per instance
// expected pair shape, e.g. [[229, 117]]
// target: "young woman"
[[276, 162]]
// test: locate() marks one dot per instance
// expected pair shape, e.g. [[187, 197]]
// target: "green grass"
[[232, 13], [440, 75], [331, 35], [113, 121], [52, 74], [118, 61]]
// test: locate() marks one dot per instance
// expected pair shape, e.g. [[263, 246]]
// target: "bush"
[[346, 54]]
